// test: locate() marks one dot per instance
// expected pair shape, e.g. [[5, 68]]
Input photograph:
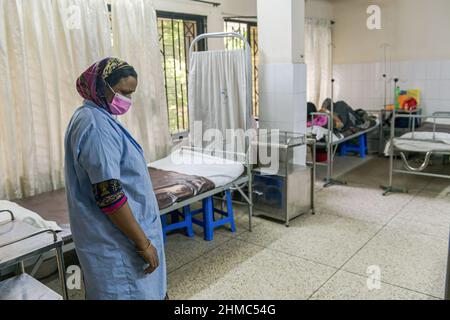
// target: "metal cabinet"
[[286, 190]]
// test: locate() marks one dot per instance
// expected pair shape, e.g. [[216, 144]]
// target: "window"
[[250, 31], [176, 32]]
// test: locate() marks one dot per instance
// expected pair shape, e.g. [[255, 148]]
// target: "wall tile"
[[284, 78], [445, 70], [444, 90], [357, 72], [433, 70], [267, 78], [419, 70], [300, 72], [406, 71], [432, 89]]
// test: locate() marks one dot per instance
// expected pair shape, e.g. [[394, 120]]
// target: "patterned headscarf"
[[91, 83]]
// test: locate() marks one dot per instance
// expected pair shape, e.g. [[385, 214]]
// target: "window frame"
[[255, 68], [201, 25]]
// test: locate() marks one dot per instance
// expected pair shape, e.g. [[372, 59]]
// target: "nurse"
[[114, 215]]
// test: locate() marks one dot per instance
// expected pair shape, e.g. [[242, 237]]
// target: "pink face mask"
[[120, 104]]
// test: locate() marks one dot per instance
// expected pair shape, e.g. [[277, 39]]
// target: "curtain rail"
[[214, 4]]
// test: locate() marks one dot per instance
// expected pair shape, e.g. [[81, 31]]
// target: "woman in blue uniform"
[[114, 215]]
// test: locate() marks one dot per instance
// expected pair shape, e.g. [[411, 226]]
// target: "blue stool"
[[209, 222], [176, 224], [361, 148]]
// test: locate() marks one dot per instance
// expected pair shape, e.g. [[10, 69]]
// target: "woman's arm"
[[124, 220], [112, 201]]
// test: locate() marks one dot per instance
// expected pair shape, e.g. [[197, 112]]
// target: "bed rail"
[[409, 169], [10, 213], [434, 117]]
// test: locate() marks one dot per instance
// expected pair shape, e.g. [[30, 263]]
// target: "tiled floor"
[[403, 237]]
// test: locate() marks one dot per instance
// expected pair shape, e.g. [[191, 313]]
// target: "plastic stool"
[[210, 223], [176, 224], [361, 148]]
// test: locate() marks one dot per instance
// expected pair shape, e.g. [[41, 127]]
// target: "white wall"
[[415, 30], [322, 9], [215, 15], [418, 35]]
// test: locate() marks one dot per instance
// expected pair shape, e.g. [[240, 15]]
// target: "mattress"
[[438, 142], [430, 137], [220, 171]]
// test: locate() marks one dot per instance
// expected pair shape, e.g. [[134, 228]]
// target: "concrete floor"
[[329, 255]]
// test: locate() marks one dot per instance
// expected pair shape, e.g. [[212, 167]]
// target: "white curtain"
[[44, 46], [136, 41], [218, 90], [318, 56]]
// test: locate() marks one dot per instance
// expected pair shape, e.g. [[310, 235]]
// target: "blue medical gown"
[[99, 148]]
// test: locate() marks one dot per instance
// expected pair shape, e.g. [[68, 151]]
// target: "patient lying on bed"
[[346, 121]]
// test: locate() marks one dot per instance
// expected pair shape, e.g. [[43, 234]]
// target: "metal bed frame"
[[246, 180], [419, 171], [15, 253], [331, 145]]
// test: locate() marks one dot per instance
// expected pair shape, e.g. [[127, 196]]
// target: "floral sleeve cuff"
[[109, 196]]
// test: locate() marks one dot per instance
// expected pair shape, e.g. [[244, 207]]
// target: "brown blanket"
[[172, 187]]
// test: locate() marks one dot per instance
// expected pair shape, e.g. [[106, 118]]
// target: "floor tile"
[[427, 213], [268, 275], [327, 239], [361, 203], [409, 260], [348, 286], [203, 272], [180, 249], [376, 173]]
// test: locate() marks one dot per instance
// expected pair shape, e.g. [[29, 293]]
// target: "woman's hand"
[[125, 221], [150, 255]]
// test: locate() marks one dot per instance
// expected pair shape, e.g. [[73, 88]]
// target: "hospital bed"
[[19, 242], [332, 141], [432, 138], [331, 144], [227, 170]]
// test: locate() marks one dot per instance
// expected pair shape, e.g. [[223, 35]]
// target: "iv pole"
[[390, 188], [331, 151]]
